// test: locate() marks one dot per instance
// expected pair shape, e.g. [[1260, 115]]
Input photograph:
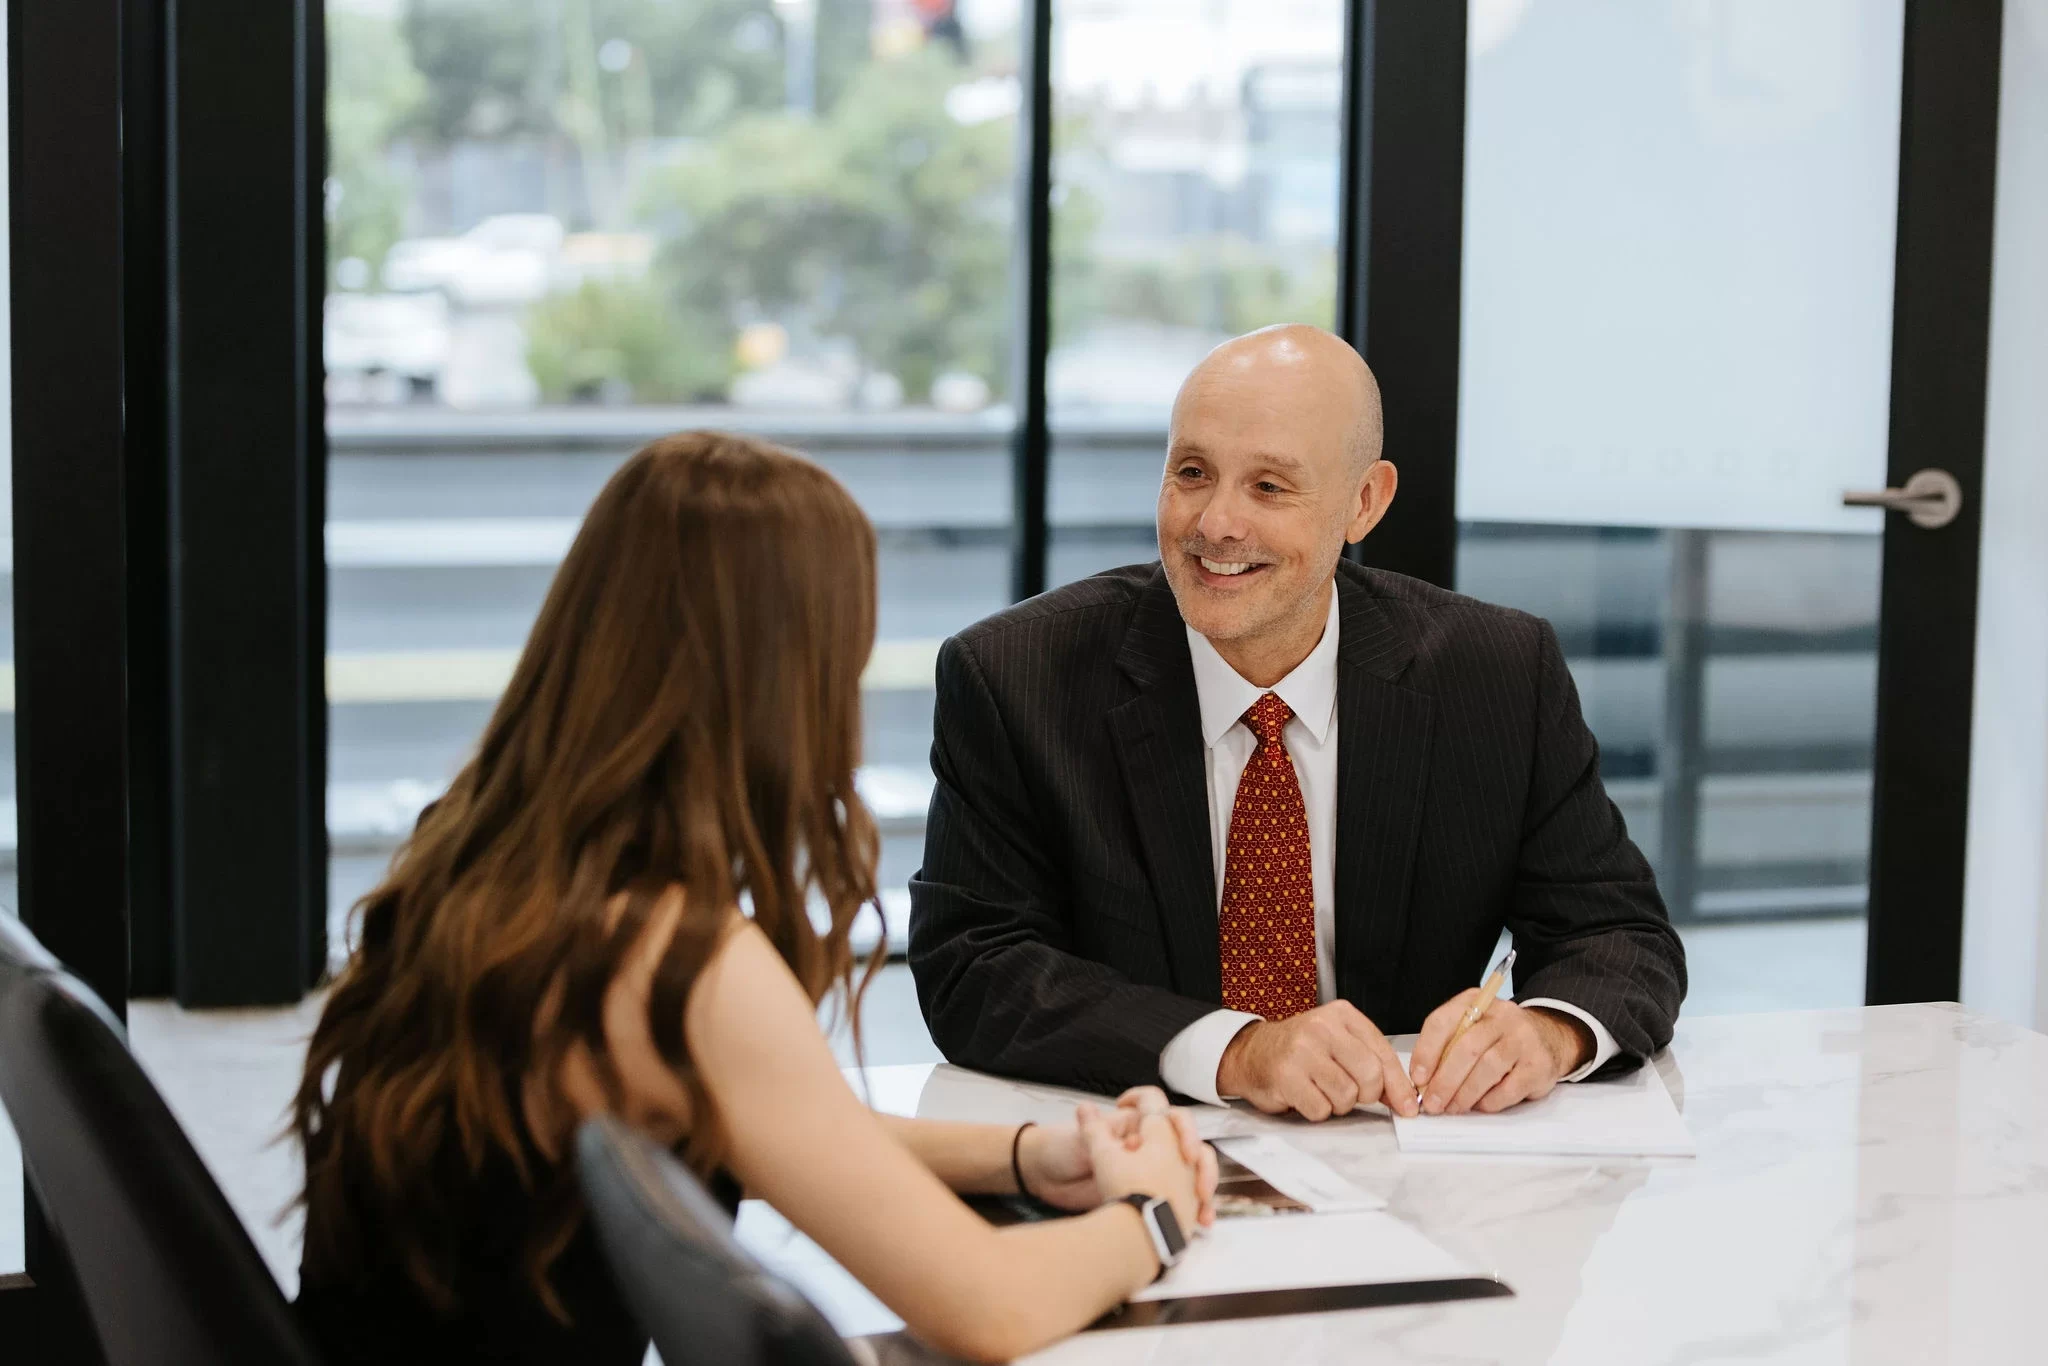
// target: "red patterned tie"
[[1267, 931]]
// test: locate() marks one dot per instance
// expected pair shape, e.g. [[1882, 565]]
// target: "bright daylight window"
[[558, 230], [1195, 192]]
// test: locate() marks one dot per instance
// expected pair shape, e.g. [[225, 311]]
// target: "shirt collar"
[[1310, 692]]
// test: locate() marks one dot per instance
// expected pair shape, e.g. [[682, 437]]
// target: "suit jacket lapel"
[[1158, 737], [1383, 738]]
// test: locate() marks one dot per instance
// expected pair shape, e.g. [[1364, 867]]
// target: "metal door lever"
[[1932, 498]]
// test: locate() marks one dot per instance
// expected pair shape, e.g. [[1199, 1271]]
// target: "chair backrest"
[[694, 1289], [167, 1270]]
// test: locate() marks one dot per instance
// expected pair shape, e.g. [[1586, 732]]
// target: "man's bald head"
[[1294, 360], [1272, 465]]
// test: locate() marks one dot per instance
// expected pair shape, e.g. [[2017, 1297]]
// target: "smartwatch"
[[1167, 1239]]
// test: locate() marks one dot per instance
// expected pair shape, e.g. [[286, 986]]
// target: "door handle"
[[1932, 498]]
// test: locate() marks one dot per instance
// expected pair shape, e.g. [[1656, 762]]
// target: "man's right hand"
[[1322, 1062]]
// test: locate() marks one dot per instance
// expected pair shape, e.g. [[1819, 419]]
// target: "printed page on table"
[[1238, 1258], [1366, 1247], [1628, 1116], [1265, 1174]]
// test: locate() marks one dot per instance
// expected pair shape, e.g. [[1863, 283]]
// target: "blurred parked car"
[[385, 347], [508, 259]]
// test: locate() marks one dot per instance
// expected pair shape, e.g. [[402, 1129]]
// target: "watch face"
[[1169, 1228]]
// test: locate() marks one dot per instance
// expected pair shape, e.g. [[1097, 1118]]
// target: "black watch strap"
[[1168, 1242]]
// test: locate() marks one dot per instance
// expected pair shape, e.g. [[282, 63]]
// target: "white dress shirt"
[[1191, 1057]]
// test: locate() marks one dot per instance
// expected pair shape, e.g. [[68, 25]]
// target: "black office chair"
[[703, 1300], [167, 1271]]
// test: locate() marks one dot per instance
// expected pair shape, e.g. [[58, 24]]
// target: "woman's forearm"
[[1048, 1280], [973, 1159]]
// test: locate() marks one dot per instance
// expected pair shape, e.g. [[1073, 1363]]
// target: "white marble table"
[[1872, 1187]]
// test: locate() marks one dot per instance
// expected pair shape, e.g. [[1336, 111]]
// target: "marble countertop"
[[1871, 1187]]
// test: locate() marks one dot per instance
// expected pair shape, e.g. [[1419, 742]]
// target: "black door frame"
[[1927, 624], [1400, 243]]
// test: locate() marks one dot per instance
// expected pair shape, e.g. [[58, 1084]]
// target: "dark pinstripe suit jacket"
[[1063, 927]]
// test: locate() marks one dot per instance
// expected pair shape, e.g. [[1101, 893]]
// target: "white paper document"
[[1630, 1116], [1366, 1247], [1298, 1175]]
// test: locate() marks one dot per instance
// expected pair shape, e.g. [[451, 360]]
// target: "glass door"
[[1676, 356]]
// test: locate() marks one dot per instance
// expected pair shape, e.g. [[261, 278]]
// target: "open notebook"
[[1630, 1116]]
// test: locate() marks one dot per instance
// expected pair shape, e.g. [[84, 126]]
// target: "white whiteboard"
[[1679, 231]]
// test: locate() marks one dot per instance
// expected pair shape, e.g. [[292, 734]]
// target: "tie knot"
[[1267, 717]]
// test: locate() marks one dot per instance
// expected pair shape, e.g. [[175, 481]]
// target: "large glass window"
[[558, 230], [1676, 356], [1195, 174]]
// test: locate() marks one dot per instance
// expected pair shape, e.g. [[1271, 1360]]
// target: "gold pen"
[[1488, 991]]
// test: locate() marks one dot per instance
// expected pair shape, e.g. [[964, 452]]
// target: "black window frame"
[[66, 195]]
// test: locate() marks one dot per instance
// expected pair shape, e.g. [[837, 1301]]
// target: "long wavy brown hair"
[[686, 714]]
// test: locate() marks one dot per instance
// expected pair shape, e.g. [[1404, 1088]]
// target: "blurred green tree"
[[499, 68], [882, 221], [619, 342], [606, 75], [1221, 284], [887, 222], [373, 90]]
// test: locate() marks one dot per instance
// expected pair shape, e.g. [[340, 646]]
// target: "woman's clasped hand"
[[1142, 1146]]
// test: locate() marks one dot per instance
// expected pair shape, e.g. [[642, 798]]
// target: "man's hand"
[[1322, 1062], [1513, 1054]]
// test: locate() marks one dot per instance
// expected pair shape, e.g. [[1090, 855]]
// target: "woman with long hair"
[[611, 910]]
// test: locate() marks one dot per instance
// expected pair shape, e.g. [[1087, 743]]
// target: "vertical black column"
[[1030, 458], [1941, 331], [246, 561], [311, 289], [145, 298], [1401, 259], [70, 610], [1354, 173], [70, 614]]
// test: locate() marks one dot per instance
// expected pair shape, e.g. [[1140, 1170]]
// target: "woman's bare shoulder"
[[671, 904]]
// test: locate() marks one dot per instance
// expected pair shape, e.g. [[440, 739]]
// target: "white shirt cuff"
[[1189, 1061], [1604, 1046]]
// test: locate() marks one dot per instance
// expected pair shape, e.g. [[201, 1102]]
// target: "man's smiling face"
[[1266, 478]]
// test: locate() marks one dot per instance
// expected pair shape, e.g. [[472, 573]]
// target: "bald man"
[[1227, 820]]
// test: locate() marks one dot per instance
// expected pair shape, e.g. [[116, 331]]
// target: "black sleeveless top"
[[383, 1318]]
